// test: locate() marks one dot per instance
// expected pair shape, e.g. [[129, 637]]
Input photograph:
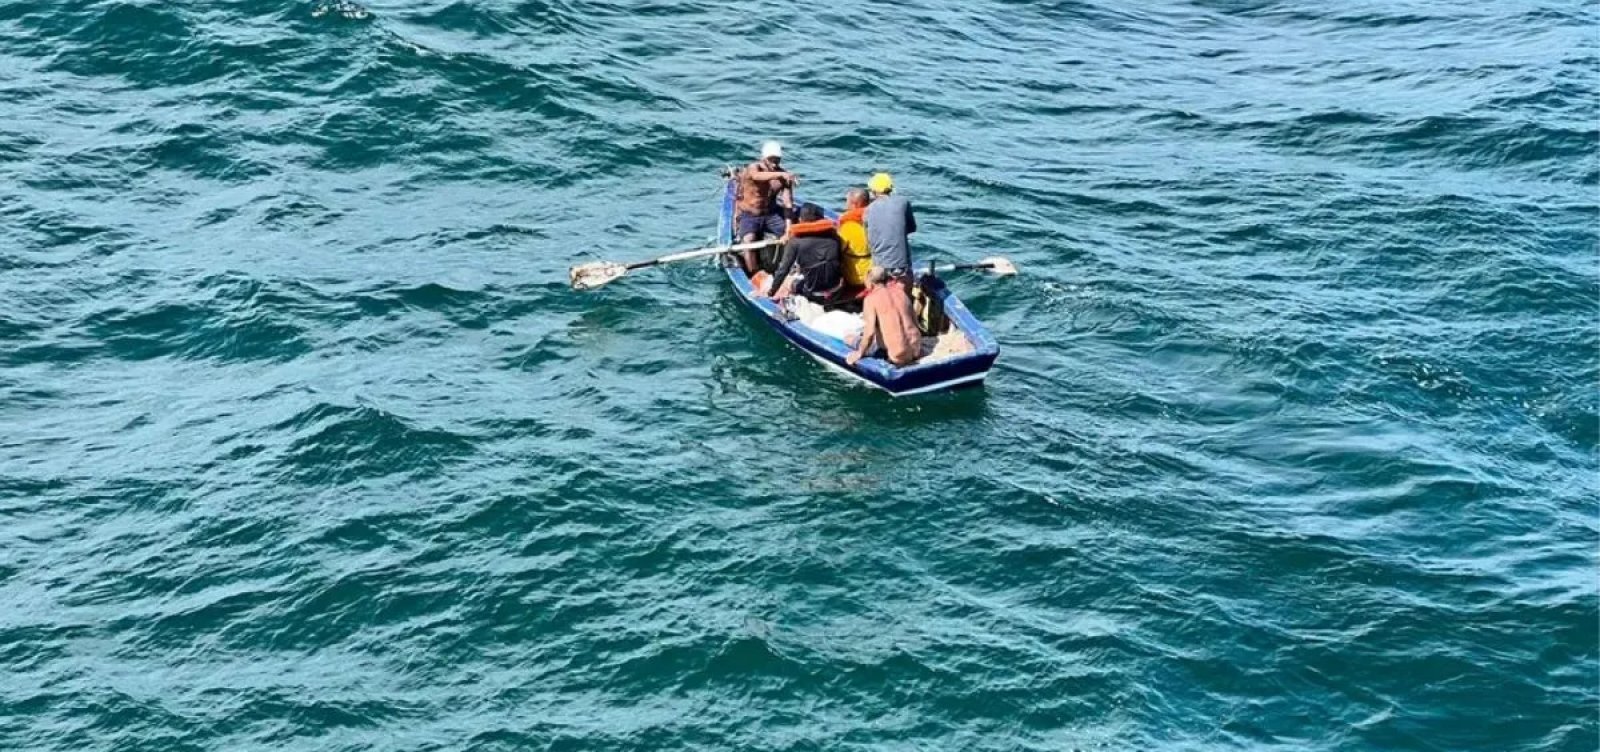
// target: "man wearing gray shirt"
[[889, 223]]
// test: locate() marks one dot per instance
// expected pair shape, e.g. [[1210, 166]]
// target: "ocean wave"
[[305, 441]]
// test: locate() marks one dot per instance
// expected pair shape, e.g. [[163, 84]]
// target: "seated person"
[[853, 236], [810, 262], [887, 321]]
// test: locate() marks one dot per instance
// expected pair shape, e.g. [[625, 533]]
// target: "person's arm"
[[785, 263], [869, 335], [911, 220], [784, 175]]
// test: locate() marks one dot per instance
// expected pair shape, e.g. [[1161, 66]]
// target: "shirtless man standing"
[[764, 199]]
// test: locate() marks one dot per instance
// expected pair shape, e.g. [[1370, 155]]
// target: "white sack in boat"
[[798, 307], [837, 324]]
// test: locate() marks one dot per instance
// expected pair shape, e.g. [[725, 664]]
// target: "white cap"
[[771, 149]]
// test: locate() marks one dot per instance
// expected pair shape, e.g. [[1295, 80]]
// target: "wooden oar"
[[997, 264], [594, 274]]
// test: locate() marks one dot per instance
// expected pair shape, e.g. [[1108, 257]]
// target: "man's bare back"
[[886, 320]]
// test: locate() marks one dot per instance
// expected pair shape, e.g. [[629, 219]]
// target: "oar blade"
[[999, 265], [591, 275]]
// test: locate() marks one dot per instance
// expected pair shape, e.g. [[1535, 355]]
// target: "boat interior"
[[839, 314]]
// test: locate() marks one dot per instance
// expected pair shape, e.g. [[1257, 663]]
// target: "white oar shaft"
[[592, 275], [699, 252]]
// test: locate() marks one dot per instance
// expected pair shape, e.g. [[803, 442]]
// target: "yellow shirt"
[[856, 257]]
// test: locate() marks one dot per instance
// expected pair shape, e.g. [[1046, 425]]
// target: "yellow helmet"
[[881, 183]]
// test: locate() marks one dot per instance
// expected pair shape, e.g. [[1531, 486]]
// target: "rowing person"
[[856, 254], [764, 199], [810, 262], [887, 322], [889, 224]]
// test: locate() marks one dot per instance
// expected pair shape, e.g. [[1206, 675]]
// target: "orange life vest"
[[815, 227]]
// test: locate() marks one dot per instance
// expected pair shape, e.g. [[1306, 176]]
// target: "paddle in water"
[[594, 274], [998, 264]]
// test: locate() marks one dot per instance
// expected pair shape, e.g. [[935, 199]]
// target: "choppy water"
[[304, 443]]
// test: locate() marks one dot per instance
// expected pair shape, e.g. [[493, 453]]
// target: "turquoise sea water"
[[306, 445]]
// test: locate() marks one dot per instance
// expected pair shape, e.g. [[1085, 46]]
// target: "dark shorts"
[[761, 225]]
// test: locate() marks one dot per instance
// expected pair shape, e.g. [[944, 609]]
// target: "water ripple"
[[307, 443]]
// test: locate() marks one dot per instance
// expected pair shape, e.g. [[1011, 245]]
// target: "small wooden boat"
[[940, 367]]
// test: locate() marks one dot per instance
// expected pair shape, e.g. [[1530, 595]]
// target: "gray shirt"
[[889, 221]]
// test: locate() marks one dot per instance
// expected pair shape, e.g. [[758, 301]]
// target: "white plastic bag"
[[840, 325]]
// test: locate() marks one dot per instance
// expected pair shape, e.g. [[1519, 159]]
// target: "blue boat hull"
[[964, 370]]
